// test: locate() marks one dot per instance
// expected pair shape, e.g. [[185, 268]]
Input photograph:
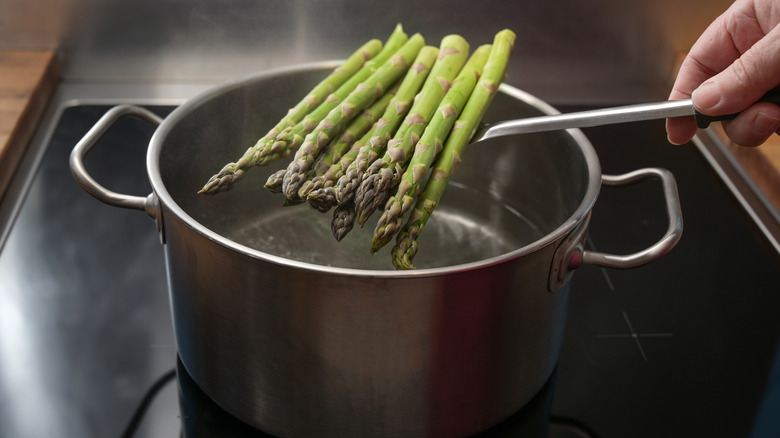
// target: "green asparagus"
[[385, 172], [322, 195], [222, 180], [323, 198], [336, 149], [292, 137], [388, 124], [353, 141], [426, 150], [365, 93], [493, 74]]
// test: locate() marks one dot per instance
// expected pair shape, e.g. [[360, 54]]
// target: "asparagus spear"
[[359, 98], [495, 68], [271, 147], [343, 220], [430, 144], [336, 149], [385, 172], [221, 182], [274, 182], [388, 124]]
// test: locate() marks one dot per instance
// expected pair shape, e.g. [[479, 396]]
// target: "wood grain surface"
[[762, 163], [27, 81]]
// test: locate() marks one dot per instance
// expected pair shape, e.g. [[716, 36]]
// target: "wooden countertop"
[[27, 82]]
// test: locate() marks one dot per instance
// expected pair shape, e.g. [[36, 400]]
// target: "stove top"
[[685, 346]]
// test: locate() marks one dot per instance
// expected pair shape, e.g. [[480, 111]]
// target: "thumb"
[[744, 81]]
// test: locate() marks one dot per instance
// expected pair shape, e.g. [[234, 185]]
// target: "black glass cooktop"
[[685, 346]]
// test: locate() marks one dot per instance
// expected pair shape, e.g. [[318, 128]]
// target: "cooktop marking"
[[635, 336], [631, 332]]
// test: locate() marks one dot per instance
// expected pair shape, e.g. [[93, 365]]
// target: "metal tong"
[[607, 116]]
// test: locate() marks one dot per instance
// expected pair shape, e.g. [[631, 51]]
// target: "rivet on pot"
[[575, 258], [569, 256]]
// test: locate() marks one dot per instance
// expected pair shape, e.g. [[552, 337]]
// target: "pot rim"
[[158, 139]]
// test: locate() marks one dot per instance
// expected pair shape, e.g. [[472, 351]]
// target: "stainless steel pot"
[[301, 336]]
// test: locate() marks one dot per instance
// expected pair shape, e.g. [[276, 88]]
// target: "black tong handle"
[[703, 120]]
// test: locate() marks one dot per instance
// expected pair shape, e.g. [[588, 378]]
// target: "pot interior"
[[507, 197]]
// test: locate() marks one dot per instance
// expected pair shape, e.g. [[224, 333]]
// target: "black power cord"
[[146, 401]]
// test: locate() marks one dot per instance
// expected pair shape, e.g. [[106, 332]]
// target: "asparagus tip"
[[343, 221]]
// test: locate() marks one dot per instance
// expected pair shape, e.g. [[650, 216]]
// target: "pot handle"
[[148, 204], [662, 246], [571, 254]]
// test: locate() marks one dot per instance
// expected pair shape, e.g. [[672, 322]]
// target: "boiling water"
[[468, 226]]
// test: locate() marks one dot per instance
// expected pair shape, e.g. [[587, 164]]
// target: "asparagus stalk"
[[221, 181], [493, 73], [388, 124], [338, 117], [336, 149], [385, 172], [426, 150]]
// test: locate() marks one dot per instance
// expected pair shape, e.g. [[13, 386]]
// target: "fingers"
[[754, 125], [744, 81], [680, 130], [734, 62]]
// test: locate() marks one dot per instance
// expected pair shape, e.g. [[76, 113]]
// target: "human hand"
[[734, 62]]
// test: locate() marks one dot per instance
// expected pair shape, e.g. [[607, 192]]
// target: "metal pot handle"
[[571, 254], [662, 246], [148, 204]]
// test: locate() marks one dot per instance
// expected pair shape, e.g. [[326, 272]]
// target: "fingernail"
[[766, 124], [706, 96]]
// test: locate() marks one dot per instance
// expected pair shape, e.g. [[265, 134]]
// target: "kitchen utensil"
[[607, 116]]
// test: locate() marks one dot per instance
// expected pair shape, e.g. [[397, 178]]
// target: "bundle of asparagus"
[[393, 119]]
